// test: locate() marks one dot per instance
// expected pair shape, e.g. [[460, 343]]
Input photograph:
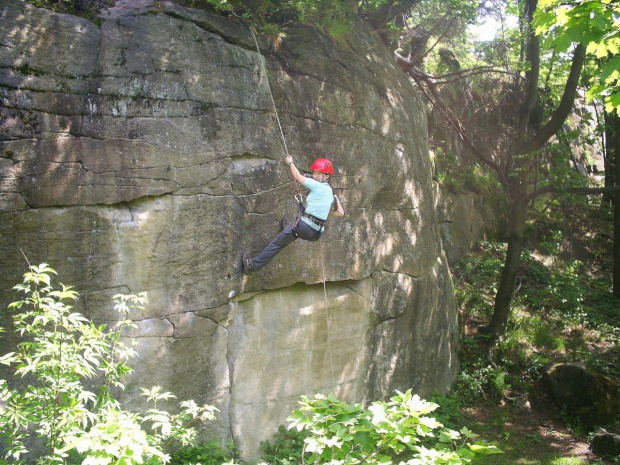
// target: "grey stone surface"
[[589, 396], [464, 218], [605, 444], [142, 153]]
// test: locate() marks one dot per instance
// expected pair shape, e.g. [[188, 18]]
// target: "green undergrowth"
[[271, 18], [210, 453], [558, 314], [286, 447], [563, 311], [71, 370]]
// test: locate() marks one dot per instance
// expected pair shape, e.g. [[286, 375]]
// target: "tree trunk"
[[608, 160], [503, 298], [527, 143], [612, 133]]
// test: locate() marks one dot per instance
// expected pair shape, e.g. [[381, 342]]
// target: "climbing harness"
[[326, 167], [299, 198]]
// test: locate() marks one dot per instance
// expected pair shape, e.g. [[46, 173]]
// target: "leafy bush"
[[385, 431], [449, 411], [482, 381], [211, 453], [60, 351], [287, 447]]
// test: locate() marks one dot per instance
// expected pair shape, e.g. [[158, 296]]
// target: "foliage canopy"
[[596, 25]]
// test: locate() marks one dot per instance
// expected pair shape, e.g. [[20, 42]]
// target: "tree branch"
[[417, 56], [533, 57], [435, 100], [550, 189], [443, 78], [564, 108], [408, 65]]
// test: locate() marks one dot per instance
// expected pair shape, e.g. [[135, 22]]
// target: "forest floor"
[[529, 428], [529, 432], [561, 314]]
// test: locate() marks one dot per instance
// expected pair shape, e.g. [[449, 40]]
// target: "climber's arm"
[[300, 178], [337, 209]]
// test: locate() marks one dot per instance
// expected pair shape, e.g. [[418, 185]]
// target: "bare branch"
[[417, 56], [564, 108], [436, 102], [443, 79], [408, 65], [551, 189]]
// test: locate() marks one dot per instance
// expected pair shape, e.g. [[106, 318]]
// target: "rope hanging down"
[[329, 345], [275, 110], [273, 102]]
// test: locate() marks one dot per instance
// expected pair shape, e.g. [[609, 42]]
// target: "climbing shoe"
[[246, 260], [283, 223]]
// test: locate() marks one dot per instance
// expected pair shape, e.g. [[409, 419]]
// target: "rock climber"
[[310, 224]]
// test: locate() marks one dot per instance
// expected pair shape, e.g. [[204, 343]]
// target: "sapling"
[[59, 351]]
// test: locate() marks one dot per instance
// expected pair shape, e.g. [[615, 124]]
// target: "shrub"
[[60, 350], [287, 447], [385, 431], [211, 453]]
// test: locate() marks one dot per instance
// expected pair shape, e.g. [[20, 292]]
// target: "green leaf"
[[613, 103], [449, 435], [365, 439], [485, 449], [9, 358], [610, 69], [469, 434], [544, 20]]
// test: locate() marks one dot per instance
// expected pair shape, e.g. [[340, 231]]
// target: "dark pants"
[[303, 230]]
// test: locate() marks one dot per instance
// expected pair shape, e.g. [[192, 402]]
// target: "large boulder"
[[589, 396], [141, 152], [605, 444]]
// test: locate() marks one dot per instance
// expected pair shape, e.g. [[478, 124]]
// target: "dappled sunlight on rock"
[[304, 311], [405, 284], [141, 152], [304, 347], [385, 248], [385, 124]]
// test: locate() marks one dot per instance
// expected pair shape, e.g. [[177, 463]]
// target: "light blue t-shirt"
[[319, 200]]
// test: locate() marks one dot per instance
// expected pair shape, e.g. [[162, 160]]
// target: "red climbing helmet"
[[323, 165]]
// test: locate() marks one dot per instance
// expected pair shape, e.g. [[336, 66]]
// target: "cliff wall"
[[141, 152]]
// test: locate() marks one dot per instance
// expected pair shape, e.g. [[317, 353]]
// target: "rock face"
[[142, 153], [464, 219], [605, 444], [593, 398]]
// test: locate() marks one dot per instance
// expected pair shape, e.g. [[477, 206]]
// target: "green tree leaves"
[[596, 25], [61, 349], [382, 433]]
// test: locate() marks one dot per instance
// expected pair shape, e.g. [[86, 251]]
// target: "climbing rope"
[[298, 198], [329, 346], [297, 189]]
